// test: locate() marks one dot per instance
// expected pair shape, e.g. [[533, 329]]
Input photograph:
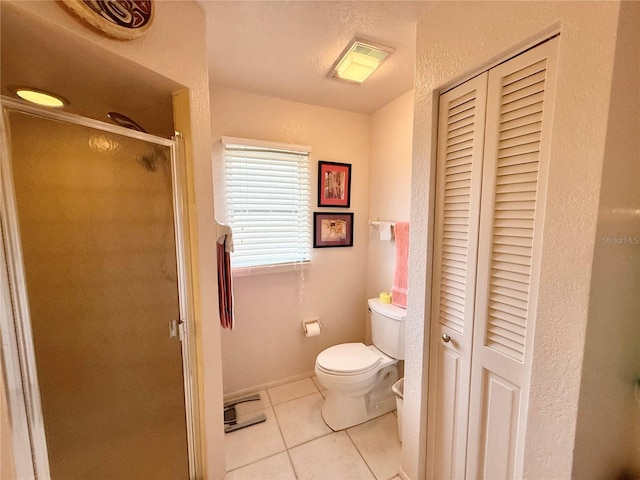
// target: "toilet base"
[[341, 410]]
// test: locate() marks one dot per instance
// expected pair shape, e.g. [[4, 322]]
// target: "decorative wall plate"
[[121, 19]]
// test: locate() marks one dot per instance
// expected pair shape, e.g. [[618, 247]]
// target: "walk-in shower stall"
[[95, 288]]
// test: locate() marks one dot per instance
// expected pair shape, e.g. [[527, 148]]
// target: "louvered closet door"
[[459, 175], [520, 93]]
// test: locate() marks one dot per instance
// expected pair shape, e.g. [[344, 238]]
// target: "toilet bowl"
[[360, 389], [358, 378]]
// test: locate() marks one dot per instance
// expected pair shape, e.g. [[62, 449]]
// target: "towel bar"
[[376, 223]]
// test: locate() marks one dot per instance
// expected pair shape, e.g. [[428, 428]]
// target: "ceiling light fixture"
[[359, 60], [40, 97]]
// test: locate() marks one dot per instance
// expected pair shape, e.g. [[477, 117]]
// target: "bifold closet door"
[[492, 158], [459, 176], [519, 111]]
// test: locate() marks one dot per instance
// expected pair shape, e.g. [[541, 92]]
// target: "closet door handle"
[[446, 338]]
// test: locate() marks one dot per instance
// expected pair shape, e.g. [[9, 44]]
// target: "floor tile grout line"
[[298, 398], [294, 398], [288, 449], [268, 456], [275, 415], [255, 461], [266, 390], [312, 440], [293, 467], [360, 453], [305, 442]]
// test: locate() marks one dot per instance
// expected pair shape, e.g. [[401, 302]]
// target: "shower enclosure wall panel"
[[96, 225]]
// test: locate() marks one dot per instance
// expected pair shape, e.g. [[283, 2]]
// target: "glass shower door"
[[96, 225]]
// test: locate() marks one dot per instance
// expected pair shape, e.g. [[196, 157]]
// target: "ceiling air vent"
[[359, 60]]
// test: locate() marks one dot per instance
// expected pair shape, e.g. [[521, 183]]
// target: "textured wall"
[[484, 33], [390, 178], [268, 345], [608, 445]]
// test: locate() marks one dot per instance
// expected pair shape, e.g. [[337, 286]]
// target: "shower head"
[[125, 121], [150, 160]]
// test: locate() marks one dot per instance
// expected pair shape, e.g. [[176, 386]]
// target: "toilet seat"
[[348, 359]]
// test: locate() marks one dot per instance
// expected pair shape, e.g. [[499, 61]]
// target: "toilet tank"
[[387, 327]]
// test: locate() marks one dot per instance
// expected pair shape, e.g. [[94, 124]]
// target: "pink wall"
[[267, 345], [390, 195]]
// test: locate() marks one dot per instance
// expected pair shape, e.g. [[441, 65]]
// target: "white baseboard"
[[264, 386]]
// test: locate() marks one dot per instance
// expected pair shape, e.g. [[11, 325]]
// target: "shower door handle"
[[175, 328]]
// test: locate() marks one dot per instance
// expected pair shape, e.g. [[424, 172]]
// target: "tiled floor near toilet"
[[295, 443]]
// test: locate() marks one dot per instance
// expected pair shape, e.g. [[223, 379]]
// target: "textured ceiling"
[[285, 49], [282, 49]]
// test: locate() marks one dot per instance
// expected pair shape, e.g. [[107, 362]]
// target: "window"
[[267, 202]]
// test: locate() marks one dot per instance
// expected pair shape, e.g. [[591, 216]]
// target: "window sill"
[[266, 269]]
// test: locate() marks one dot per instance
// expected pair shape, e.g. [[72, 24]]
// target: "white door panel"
[[459, 172], [492, 156], [520, 93], [500, 409], [449, 366]]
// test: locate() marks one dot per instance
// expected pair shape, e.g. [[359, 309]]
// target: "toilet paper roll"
[[311, 329], [385, 297]]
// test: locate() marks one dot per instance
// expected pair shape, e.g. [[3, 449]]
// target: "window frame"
[[238, 143]]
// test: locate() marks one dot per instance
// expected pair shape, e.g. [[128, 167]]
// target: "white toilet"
[[358, 378]]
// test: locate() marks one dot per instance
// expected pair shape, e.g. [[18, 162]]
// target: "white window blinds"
[[267, 202]]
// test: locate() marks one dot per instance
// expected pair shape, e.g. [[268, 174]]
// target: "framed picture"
[[334, 184], [332, 229]]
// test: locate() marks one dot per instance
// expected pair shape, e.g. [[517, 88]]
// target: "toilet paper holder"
[[309, 327]]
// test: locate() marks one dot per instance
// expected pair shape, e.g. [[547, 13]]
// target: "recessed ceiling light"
[[40, 97], [359, 60]]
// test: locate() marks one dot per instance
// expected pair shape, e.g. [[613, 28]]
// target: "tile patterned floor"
[[295, 443]]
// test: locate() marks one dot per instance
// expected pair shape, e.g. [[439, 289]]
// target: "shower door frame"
[[25, 409]]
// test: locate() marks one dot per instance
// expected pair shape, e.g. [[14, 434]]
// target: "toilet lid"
[[348, 358]]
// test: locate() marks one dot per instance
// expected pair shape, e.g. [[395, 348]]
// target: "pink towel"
[[399, 290], [225, 289]]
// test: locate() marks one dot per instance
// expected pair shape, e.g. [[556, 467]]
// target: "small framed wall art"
[[332, 229], [334, 184]]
